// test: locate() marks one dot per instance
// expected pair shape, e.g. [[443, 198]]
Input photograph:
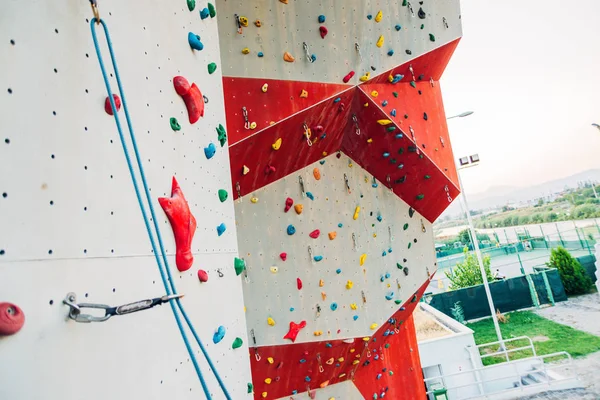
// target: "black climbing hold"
[[408, 52], [425, 116], [401, 150], [373, 68], [421, 13], [421, 77], [412, 149]]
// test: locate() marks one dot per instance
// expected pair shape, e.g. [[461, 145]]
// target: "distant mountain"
[[501, 195]]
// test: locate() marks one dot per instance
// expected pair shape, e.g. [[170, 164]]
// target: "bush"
[[467, 273], [571, 272]]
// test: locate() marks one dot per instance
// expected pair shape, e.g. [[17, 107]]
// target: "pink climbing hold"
[[323, 31], [294, 330], [12, 319], [283, 256], [315, 234], [107, 106], [269, 169], [183, 224], [299, 283], [288, 204], [192, 97], [202, 275], [348, 77]]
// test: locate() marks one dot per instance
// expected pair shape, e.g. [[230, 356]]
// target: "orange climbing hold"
[[287, 57], [321, 283], [324, 384], [303, 94], [332, 235], [298, 208], [317, 173]]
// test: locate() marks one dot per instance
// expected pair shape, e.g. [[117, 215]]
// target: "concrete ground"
[[583, 313]]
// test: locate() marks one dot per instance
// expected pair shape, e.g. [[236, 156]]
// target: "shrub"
[[571, 272], [466, 273]]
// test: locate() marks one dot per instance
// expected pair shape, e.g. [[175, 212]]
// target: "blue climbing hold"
[[384, 254], [397, 78], [219, 334], [399, 136], [323, 136], [204, 13], [210, 151], [307, 379], [387, 276], [382, 278], [378, 376], [390, 52], [313, 57], [402, 308], [221, 229], [194, 41], [386, 154], [337, 100], [333, 306], [291, 230], [328, 345], [379, 218], [393, 112], [310, 195], [400, 166], [398, 27], [384, 103], [355, 317], [291, 308], [374, 184], [294, 392], [390, 250], [260, 54], [318, 258], [376, 357], [321, 18], [369, 17], [302, 361], [322, 162], [338, 271], [340, 225]]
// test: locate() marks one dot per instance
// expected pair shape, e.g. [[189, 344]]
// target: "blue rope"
[[167, 279]]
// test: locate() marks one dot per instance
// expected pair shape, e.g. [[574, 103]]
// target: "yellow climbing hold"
[[341, 376], [323, 295], [298, 208], [268, 381], [366, 105], [384, 122], [380, 41], [277, 144], [374, 93], [353, 306], [274, 270], [245, 170], [373, 326], [355, 362], [324, 154], [243, 21], [365, 77], [352, 350], [265, 87], [270, 360], [363, 257], [271, 321], [369, 140], [349, 284], [356, 211], [321, 282], [283, 1], [254, 200], [332, 235], [253, 125], [303, 94], [317, 333], [378, 16], [374, 235], [264, 395], [287, 57], [245, 50], [390, 78], [341, 359], [366, 339]]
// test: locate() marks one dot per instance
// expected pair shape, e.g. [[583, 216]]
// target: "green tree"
[[537, 218], [571, 272], [467, 273], [465, 236]]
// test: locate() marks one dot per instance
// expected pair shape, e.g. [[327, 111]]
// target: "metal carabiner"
[[94, 5], [357, 47], [245, 115], [238, 23], [301, 181], [347, 183], [356, 127], [307, 134], [308, 56]]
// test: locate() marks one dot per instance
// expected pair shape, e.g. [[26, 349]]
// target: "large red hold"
[[294, 330], [107, 106], [191, 96], [12, 319], [288, 204], [183, 224]]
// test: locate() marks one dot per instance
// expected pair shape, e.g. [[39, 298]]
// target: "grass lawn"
[[548, 336]]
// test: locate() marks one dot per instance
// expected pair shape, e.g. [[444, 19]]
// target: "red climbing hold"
[[183, 224], [269, 169], [283, 256], [192, 97], [11, 319], [317, 130], [107, 106], [202, 275], [288, 204], [294, 330], [315, 234], [299, 283], [348, 77], [323, 31]]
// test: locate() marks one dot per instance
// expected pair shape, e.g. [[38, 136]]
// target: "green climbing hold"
[[420, 196], [239, 265], [251, 387], [211, 10], [401, 150], [422, 26], [191, 4], [237, 343], [395, 94], [413, 84], [174, 124], [399, 266], [212, 67], [432, 37], [404, 3], [409, 245], [390, 128], [405, 227], [222, 135], [222, 195], [427, 176], [398, 301]]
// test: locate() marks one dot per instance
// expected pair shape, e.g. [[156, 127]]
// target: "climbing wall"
[[333, 247], [69, 215], [350, 89]]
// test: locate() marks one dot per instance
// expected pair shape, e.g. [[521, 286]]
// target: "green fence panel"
[[589, 265]]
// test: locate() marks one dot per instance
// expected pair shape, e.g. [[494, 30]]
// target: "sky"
[[530, 71]]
